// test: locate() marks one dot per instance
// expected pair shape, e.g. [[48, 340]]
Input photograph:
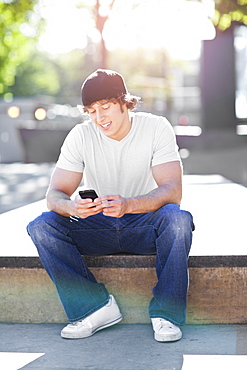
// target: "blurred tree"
[[228, 11], [20, 25], [60, 76], [100, 11], [36, 76]]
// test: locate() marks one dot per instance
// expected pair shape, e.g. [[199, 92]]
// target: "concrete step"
[[217, 292], [217, 265]]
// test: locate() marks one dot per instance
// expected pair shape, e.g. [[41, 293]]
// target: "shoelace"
[[163, 323], [80, 322]]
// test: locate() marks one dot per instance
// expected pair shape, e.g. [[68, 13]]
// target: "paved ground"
[[230, 162], [123, 347], [22, 184]]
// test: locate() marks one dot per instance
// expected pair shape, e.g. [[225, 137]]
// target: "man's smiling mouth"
[[105, 125]]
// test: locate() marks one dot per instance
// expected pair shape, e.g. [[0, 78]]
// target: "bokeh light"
[[40, 114], [14, 112]]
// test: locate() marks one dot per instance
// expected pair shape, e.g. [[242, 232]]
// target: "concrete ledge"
[[217, 295], [217, 290], [130, 261]]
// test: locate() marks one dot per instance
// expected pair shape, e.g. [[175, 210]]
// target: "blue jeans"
[[167, 232]]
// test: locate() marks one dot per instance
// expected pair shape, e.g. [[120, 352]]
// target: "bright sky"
[[176, 25]]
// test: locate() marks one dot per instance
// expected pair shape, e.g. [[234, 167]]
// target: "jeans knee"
[[184, 220], [179, 219], [35, 227]]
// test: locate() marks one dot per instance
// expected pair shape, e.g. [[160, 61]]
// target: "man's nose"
[[100, 116]]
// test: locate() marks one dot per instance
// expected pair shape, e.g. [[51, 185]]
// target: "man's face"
[[113, 121]]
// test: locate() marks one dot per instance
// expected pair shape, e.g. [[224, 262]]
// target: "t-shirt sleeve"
[[71, 155], [165, 145]]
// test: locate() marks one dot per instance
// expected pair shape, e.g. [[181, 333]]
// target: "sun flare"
[[177, 26]]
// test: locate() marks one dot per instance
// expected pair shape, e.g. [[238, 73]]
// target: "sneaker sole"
[[167, 338], [75, 336], [108, 324]]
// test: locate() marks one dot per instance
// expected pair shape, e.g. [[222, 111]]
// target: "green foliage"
[[59, 76], [228, 11], [20, 25], [36, 76]]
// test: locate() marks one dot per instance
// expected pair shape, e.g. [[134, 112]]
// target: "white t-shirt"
[[120, 167]]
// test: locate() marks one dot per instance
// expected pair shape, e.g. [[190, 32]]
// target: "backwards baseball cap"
[[102, 84]]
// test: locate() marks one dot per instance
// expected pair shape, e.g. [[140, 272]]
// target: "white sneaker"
[[104, 317], [165, 331]]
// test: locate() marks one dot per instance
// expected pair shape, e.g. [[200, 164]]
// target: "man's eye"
[[91, 112], [106, 107]]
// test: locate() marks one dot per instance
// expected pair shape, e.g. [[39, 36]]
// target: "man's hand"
[[112, 205], [86, 207]]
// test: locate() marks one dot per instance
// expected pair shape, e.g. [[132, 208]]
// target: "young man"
[[132, 162]]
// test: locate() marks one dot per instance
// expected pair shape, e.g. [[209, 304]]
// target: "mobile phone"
[[90, 193]]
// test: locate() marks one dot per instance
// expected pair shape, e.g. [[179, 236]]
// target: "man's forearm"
[[155, 199], [59, 202]]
